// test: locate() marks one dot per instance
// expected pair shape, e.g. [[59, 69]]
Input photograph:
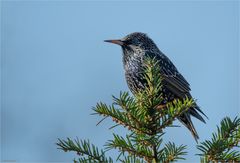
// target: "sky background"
[[55, 67]]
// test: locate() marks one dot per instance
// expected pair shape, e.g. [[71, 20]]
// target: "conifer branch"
[[120, 117], [172, 110], [128, 145], [145, 115], [128, 104], [172, 153], [223, 144], [89, 152], [131, 159]]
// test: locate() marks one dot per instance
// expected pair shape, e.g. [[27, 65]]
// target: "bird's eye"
[[127, 42]]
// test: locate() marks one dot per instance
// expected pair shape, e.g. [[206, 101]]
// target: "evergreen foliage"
[[146, 117], [225, 143]]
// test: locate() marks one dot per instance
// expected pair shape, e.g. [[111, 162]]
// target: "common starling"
[[136, 47]]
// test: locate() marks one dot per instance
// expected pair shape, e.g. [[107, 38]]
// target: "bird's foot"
[[160, 107]]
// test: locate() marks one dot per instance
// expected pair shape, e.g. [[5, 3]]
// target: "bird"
[[138, 46]]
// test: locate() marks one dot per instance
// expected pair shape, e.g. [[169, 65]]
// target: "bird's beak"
[[118, 42]]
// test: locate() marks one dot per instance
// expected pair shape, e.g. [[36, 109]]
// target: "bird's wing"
[[174, 81]]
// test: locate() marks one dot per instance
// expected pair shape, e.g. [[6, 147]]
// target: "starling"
[[136, 47]]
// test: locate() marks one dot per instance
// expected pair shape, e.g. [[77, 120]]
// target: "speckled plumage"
[[137, 46]]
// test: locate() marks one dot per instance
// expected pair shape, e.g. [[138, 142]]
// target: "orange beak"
[[118, 42]]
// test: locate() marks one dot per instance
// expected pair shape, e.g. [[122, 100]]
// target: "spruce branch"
[[172, 111], [131, 159], [145, 115], [172, 153], [128, 145], [119, 116], [223, 144], [89, 152], [129, 105]]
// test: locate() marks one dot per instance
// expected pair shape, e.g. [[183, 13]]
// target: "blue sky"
[[55, 67]]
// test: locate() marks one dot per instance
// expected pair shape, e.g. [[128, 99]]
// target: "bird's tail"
[[185, 119], [195, 110]]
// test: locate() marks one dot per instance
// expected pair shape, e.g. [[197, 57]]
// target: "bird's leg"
[[160, 107]]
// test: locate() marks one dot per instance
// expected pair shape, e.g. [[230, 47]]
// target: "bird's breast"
[[133, 75]]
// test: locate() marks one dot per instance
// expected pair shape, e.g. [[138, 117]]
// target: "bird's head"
[[135, 43]]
